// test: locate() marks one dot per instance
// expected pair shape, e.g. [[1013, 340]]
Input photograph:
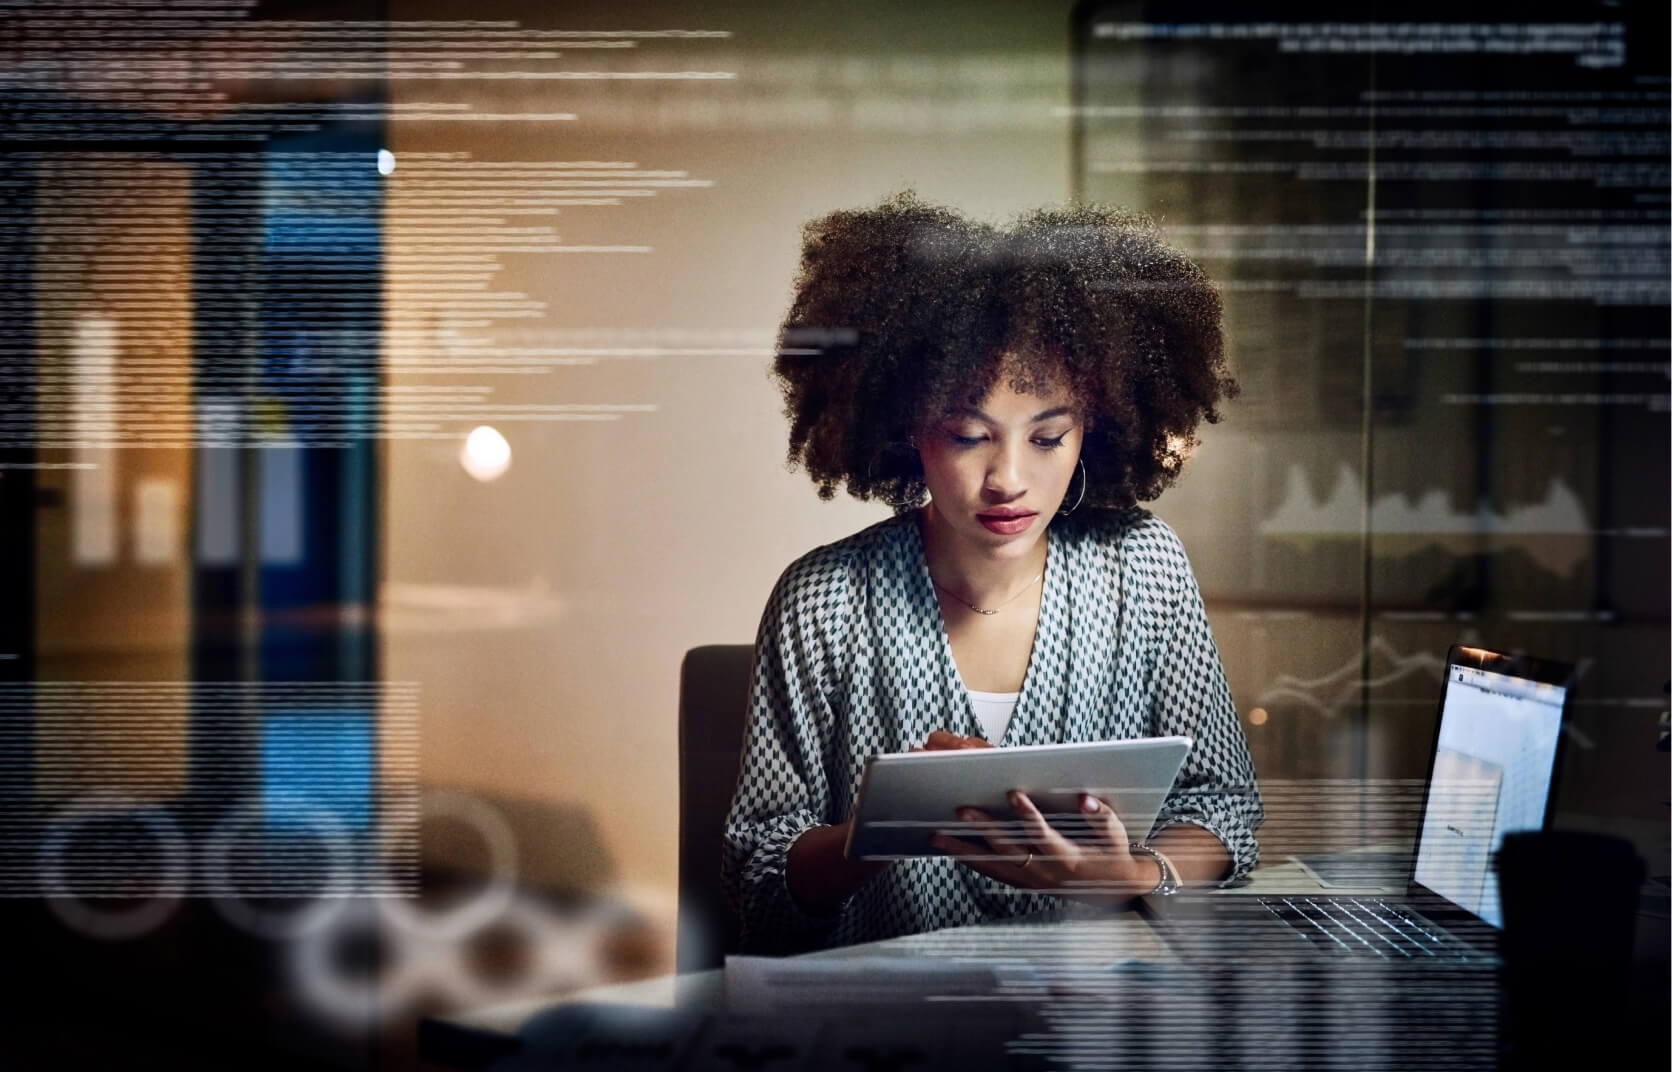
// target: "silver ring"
[[1024, 864]]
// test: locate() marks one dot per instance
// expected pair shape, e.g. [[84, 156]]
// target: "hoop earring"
[[1082, 498], [871, 472]]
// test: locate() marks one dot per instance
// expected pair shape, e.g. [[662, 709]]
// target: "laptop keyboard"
[[1367, 927]]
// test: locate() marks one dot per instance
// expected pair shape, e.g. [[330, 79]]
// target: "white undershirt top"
[[993, 711]]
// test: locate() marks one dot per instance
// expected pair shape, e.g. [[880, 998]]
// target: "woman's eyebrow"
[[971, 411]]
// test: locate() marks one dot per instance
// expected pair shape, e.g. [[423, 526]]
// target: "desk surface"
[[470, 1037]]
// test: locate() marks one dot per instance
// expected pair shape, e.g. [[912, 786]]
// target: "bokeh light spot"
[[485, 455]]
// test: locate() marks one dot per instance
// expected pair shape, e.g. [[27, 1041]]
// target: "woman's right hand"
[[820, 873]]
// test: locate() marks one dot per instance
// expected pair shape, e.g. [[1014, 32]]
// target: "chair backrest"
[[713, 698]]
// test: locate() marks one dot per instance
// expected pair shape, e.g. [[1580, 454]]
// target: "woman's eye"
[[964, 440], [1050, 444]]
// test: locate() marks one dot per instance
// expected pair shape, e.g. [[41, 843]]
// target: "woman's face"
[[997, 472]]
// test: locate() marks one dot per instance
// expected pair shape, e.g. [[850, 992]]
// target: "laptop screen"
[[1493, 765]]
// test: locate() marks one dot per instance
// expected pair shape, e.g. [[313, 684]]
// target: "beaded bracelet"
[[1169, 882]]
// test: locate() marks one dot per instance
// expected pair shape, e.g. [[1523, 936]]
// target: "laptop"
[[1492, 771]]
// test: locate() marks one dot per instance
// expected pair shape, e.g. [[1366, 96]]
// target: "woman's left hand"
[[1030, 853]]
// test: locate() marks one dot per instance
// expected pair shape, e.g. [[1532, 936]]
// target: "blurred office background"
[[386, 414]]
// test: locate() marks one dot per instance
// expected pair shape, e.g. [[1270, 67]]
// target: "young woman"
[[1013, 394]]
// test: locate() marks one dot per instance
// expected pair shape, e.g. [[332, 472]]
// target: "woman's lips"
[[1006, 524]]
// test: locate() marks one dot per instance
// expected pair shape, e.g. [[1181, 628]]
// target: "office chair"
[[713, 697]]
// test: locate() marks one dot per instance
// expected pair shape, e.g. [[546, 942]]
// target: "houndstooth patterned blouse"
[[852, 659]]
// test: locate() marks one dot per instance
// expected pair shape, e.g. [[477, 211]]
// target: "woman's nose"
[[1004, 473]]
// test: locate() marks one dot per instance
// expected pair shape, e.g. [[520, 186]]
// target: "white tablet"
[[905, 797]]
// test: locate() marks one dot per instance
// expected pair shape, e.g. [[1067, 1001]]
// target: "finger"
[[1000, 836], [1103, 821], [942, 740], [970, 851], [1004, 867], [976, 742], [1044, 838]]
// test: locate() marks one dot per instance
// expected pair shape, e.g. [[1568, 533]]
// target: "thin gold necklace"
[[982, 610]]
